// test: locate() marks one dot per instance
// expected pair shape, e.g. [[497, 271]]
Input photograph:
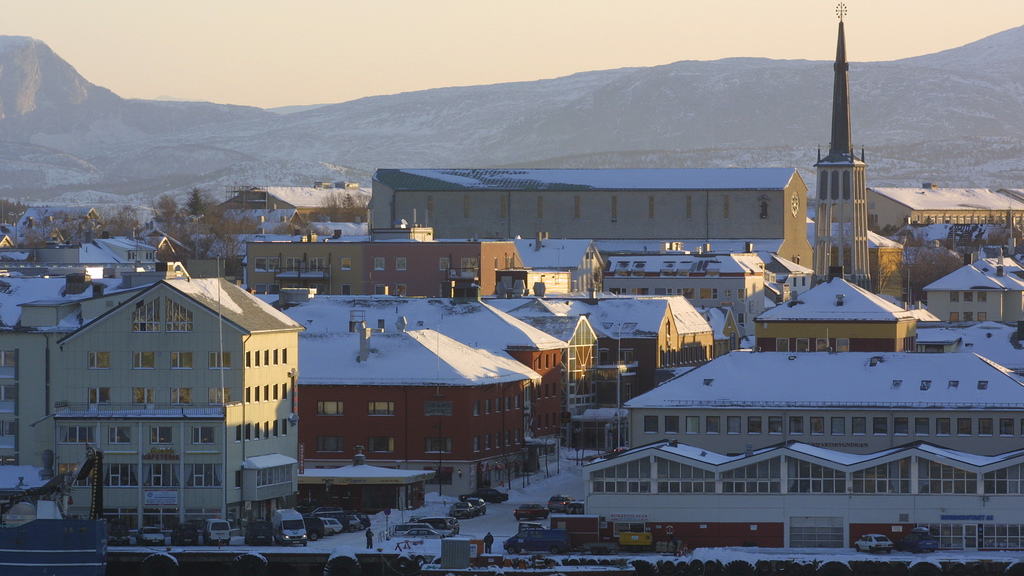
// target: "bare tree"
[[122, 221], [340, 207]]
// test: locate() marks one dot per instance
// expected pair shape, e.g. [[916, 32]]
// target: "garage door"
[[816, 532]]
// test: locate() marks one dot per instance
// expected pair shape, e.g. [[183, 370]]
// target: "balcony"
[[128, 410]]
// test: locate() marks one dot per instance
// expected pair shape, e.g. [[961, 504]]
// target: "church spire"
[[841, 98]]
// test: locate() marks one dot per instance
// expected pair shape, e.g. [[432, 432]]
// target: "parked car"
[[307, 506], [350, 523], [574, 507], [480, 504], [149, 536], [259, 533], [558, 502], [462, 510], [554, 541], [118, 533], [446, 525], [364, 520], [289, 527], [919, 540], [315, 529], [331, 525], [186, 533], [874, 543], [400, 529], [531, 512], [422, 534], [216, 531], [486, 494]]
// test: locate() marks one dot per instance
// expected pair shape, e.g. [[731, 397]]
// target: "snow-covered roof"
[[822, 303], [365, 473], [639, 317], [717, 318], [234, 303], [16, 291], [20, 477], [854, 379], [587, 179], [722, 264], [991, 340], [413, 358], [268, 461], [475, 324], [308, 197], [874, 240], [1002, 274], [686, 246], [922, 198], [553, 254]]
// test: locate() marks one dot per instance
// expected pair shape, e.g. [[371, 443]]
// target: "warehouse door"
[[816, 532]]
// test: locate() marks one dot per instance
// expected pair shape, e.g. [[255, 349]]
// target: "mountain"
[[955, 117]]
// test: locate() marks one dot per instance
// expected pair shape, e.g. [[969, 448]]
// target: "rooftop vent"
[[926, 384], [839, 299], [896, 383], [708, 381], [954, 383], [875, 360]]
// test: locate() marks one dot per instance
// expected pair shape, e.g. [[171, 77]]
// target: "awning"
[[268, 461], [363, 474]]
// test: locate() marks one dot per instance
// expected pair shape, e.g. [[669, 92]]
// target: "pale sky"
[[271, 53]]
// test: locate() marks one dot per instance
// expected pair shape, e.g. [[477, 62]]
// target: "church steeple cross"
[[841, 10]]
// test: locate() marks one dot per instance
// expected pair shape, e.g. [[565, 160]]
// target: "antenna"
[[841, 10]]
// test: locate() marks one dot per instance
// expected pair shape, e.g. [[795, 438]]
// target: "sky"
[[272, 53]]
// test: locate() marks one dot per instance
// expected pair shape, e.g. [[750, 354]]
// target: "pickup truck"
[[486, 494]]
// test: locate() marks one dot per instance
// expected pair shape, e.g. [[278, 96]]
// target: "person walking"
[[369, 538], [488, 542]]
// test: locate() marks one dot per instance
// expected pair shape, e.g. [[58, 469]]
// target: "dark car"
[[557, 502], [259, 533], [314, 528], [364, 520], [479, 504], [347, 521], [487, 495], [574, 507], [531, 512], [919, 540], [118, 534], [462, 510], [186, 533]]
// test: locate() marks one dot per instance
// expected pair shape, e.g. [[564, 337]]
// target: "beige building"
[[991, 289], [728, 203], [930, 204], [187, 385]]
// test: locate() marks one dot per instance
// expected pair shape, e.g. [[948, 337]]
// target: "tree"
[[340, 207], [198, 202], [122, 221]]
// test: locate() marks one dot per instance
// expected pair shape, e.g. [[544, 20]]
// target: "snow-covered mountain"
[[955, 117]]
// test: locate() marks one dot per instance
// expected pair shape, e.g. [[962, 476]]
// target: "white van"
[[289, 528], [216, 531]]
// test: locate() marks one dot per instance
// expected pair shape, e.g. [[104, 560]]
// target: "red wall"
[[714, 534], [547, 396]]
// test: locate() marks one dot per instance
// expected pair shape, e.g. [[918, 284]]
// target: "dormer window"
[[926, 384], [982, 384]]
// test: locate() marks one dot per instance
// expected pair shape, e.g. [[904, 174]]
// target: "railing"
[[121, 410]]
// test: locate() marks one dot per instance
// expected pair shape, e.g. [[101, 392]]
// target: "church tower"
[[841, 224]]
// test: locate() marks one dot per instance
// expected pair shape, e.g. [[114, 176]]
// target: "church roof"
[[588, 179]]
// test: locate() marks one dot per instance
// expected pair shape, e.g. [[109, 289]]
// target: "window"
[[99, 360], [693, 425], [984, 426], [942, 427], [345, 263], [143, 395], [880, 426], [803, 345], [1008, 480], [810, 478], [760, 478], [77, 434], [650, 424], [119, 475], [378, 263], [821, 344], [796, 425], [753, 424], [968, 316], [99, 395], [400, 263], [202, 434], [202, 475], [937, 478], [179, 318], [181, 395], [712, 425], [968, 296], [380, 444], [673, 477], [160, 475], [889, 478], [181, 360], [964, 427], [838, 426], [119, 435], [775, 424], [1005, 424], [146, 317], [160, 435], [782, 344], [672, 424], [954, 296], [842, 344], [220, 360], [435, 444], [733, 425], [817, 425], [900, 426], [330, 443], [921, 427], [859, 425], [982, 316], [380, 408], [954, 316], [143, 360], [220, 396]]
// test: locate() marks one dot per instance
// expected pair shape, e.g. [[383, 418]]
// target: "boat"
[[36, 539]]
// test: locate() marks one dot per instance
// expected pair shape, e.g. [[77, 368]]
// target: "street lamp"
[[440, 453]]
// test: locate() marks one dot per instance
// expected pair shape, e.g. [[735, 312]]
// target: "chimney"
[[839, 299], [968, 259], [540, 238], [748, 247], [401, 323], [364, 342], [999, 270]]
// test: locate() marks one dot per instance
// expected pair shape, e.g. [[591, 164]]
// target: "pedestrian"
[[673, 545], [369, 538], [488, 542]]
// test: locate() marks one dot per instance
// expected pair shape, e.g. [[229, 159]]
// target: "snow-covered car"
[[150, 536], [422, 534], [331, 526], [874, 543]]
